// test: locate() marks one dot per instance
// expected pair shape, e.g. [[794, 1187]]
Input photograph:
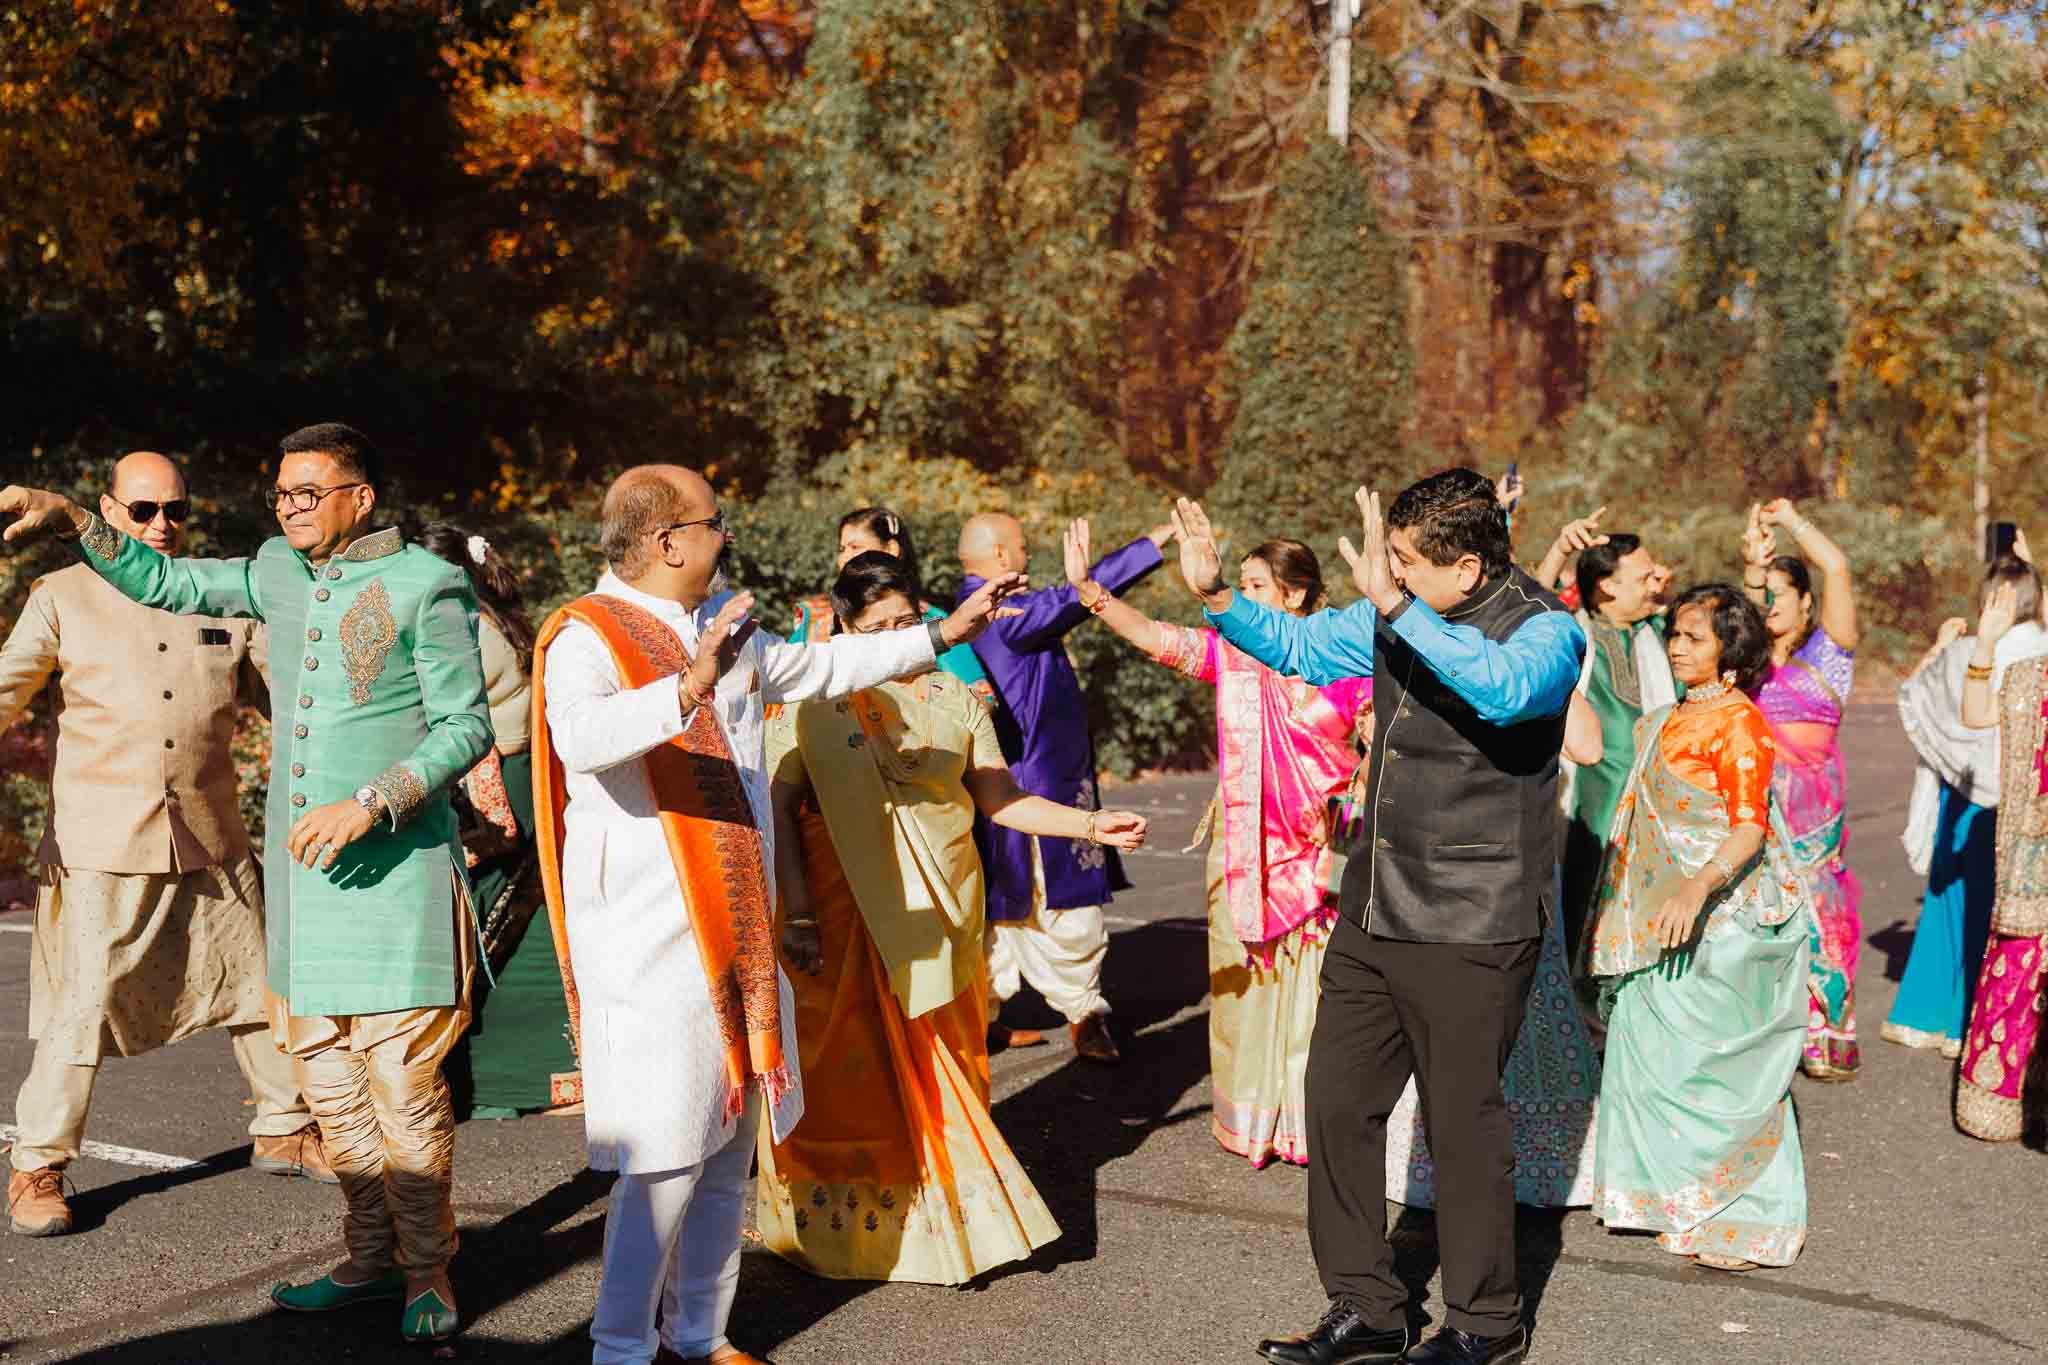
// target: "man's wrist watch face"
[[367, 798]]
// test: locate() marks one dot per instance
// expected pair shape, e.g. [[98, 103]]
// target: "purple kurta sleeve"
[[1042, 721]]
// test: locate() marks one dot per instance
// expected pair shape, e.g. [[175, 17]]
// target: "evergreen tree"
[[1320, 363]]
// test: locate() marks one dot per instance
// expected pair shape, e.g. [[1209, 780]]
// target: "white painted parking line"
[[126, 1156]]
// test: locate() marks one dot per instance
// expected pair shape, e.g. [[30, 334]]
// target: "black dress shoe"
[[1341, 1338], [1452, 1347]]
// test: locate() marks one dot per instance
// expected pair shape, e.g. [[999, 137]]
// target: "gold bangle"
[[1975, 673], [1091, 826]]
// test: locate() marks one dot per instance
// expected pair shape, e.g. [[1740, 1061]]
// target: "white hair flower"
[[478, 548]]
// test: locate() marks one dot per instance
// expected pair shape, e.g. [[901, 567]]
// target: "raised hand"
[[1579, 536], [1078, 560], [982, 606], [1201, 563], [1952, 630], [723, 639], [1371, 570], [30, 512], [1779, 512], [2001, 613], [1122, 829], [1759, 542], [1509, 488]]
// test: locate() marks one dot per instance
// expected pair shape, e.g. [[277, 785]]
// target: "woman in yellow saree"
[[897, 1171]]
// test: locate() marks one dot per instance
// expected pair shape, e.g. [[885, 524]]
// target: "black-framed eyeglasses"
[[716, 521], [144, 510], [303, 499]]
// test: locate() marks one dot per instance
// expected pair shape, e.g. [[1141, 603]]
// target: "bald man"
[[657, 839], [1045, 896], [149, 925]]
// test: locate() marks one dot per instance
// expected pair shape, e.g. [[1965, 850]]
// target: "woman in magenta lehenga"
[[2005, 1019], [1286, 750], [1813, 664]]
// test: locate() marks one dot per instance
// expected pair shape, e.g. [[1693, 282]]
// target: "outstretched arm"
[[1125, 620]]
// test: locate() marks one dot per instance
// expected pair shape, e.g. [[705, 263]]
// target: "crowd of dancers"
[[1523, 886]]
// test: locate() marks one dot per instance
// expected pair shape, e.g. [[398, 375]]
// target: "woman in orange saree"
[[897, 1171]]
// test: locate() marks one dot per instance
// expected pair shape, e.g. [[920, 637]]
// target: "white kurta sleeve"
[[845, 663], [595, 723]]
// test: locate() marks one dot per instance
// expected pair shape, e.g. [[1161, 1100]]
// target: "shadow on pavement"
[[1539, 1243], [1064, 1127], [91, 1208], [497, 1263], [1895, 941]]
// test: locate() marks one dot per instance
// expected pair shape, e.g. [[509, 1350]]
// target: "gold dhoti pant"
[[374, 1084]]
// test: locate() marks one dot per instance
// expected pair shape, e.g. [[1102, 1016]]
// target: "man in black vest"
[[1428, 969]]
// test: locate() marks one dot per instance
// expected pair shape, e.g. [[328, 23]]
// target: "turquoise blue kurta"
[[376, 680]]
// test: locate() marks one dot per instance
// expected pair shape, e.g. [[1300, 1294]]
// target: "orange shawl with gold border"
[[717, 848]]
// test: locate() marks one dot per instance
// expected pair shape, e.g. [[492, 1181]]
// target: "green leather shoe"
[[326, 1294], [427, 1318]]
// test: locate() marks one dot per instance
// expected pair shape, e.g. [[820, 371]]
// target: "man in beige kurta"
[[149, 922]]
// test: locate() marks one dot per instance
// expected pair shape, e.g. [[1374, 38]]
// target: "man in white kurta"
[[658, 1102]]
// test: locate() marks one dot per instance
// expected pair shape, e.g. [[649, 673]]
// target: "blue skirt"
[[1933, 1004]]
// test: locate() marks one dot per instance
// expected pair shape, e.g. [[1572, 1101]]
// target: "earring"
[[1728, 677]]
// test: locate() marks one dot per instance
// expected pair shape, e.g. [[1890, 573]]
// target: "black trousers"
[[1448, 1013]]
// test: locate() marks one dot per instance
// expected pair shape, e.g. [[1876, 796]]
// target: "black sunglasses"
[[144, 512]]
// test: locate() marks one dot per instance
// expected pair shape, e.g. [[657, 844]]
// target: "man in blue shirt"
[[1429, 967]]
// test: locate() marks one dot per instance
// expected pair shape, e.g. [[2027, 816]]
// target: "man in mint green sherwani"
[[380, 708]]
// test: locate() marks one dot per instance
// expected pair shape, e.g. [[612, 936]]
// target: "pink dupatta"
[[1285, 749]]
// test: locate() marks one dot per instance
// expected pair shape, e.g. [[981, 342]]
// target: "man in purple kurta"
[[1045, 896]]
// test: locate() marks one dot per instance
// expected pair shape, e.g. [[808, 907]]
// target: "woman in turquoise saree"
[[1700, 939]]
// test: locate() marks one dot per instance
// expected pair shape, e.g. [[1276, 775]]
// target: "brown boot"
[[1092, 1040], [35, 1202], [297, 1153]]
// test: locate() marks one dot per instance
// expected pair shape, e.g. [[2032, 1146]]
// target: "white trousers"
[[672, 1241], [1059, 952]]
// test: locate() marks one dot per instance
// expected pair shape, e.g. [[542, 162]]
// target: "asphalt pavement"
[[1924, 1245]]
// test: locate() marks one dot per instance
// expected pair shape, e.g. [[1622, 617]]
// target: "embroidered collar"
[[376, 545]]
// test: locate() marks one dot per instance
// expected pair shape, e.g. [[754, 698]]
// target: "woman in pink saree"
[[1802, 695], [1286, 752], [2006, 1015]]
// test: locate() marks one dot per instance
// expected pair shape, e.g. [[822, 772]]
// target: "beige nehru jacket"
[[143, 780]]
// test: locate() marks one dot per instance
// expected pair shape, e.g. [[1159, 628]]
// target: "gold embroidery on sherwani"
[[367, 635], [403, 793], [103, 540]]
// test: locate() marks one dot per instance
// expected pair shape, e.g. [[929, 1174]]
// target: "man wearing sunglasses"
[[149, 922], [382, 709]]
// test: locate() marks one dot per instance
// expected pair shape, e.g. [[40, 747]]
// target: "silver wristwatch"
[[372, 801]]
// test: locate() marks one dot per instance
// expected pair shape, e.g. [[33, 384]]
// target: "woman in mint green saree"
[[1700, 940]]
